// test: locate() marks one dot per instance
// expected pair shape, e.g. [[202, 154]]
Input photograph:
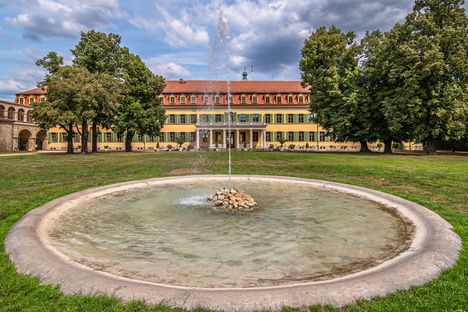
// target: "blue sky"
[[173, 37]]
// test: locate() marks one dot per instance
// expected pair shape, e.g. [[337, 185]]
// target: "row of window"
[[21, 115], [22, 100], [242, 99], [266, 118], [111, 137]]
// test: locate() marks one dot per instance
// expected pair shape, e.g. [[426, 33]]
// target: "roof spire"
[[244, 74]]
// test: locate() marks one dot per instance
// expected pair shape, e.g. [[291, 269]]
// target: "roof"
[[220, 86], [35, 91]]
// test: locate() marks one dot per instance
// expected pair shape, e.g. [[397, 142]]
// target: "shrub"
[[169, 147], [292, 146]]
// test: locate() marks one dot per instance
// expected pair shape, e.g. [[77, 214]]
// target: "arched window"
[[21, 115], [182, 99], [11, 113], [28, 116], [172, 100], [278, 99], [267, 99], [193, 99], [301, 99], [243, 99], [2, 111]]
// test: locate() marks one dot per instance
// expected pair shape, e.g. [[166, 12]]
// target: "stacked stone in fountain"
[[232, 200]]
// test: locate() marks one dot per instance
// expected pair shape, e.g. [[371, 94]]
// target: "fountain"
[[232, 200], [162, 240]]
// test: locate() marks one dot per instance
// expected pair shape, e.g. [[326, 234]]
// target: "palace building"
[[264, 114], [18, 132]]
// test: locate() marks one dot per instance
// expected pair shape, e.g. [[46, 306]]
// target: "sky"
[[175, 37]]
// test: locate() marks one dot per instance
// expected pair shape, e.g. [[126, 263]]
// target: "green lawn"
[[437, 182]]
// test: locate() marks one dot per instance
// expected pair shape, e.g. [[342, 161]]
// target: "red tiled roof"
[[34, 91], [218, 86]]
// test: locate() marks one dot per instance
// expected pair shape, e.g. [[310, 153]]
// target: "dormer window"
[[243, 99], [254, 99], [278, 99], [182, 99], [290, 99], [193, 99], [172, 100]]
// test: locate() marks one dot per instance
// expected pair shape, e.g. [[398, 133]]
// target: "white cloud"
[[63, 18], [177, 31], [169, 70], [10, 85]]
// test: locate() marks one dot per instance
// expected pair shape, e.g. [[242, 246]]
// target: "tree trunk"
[[84, 137], [429, 146], [128, 141], [94, 138], [364, 148], [70, 139], [388, 146]]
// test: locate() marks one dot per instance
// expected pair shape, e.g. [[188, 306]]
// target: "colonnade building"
[[264, 114]]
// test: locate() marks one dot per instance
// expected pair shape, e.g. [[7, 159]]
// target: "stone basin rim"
[[434, 248]]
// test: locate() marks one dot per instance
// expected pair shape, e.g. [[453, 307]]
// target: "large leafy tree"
[[73, 94], [140, 110], [330, 66], [100, 53], [426, 65]]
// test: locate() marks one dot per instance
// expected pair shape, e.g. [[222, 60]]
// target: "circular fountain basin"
[[158, 240]]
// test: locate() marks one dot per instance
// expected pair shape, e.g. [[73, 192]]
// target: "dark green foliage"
[[140, 110], [329, 65], [425, 60]]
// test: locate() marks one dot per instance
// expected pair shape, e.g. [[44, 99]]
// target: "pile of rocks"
[[232, 200]]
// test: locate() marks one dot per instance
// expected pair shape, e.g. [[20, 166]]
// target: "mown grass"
[[437, 182]]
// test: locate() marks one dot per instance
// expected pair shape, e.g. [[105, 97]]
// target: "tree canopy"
[[407, 84], [140, 109]]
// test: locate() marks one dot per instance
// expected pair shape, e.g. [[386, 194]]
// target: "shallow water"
[[170, 235]]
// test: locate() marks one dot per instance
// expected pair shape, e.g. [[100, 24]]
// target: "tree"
[[140, 110], [426, 63], [100, 53], [329, 65], [56, 112]]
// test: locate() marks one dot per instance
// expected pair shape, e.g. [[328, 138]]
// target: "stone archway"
[[23, 139], [41, 137]]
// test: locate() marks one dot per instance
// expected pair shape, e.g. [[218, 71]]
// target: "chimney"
[[181, 81]]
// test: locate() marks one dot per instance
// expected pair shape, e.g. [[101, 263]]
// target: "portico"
[[211, 135]]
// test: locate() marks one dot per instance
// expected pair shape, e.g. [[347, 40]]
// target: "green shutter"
[[296, 118], [296, 136]]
